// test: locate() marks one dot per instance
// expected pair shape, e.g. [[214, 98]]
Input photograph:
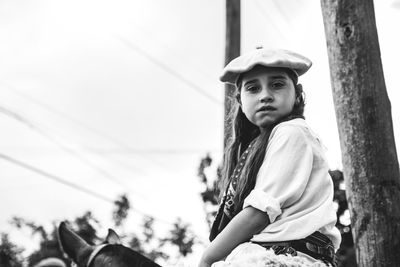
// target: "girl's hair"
[[243, 132]]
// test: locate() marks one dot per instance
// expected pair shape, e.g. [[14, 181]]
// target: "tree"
[[210, 193], [122, 207], [10, 254], [363, 113], [48, 243], [146, 242], [182, 237], [149, 245], [85, 226]]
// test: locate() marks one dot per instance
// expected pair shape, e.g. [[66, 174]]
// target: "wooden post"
[[363, 113], [232, 50]]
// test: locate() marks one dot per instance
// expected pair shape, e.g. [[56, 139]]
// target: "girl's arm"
[[243, 226]]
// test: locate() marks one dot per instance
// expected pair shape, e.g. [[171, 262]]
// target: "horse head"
[[110, 253]]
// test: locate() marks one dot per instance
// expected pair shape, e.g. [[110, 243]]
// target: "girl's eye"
[[252, 88], [278, 84]]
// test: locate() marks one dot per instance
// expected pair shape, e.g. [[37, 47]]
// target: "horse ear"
[[73, 245], [112, 237]]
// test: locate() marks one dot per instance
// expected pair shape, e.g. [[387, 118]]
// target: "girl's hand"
[[240, 229]]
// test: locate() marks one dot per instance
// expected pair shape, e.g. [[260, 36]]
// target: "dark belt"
[[316, 245]]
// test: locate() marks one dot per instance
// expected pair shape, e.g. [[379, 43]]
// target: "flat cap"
[[278, 58]]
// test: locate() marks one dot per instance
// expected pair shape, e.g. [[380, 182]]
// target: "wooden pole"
[[364, 119], [232, 50]]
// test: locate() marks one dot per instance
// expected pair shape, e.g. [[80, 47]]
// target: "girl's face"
[[266, 95]]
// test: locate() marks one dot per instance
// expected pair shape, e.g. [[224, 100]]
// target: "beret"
[[278, 58]]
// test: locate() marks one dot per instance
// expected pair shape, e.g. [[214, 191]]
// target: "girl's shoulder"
[[291, 126], [296, 127]]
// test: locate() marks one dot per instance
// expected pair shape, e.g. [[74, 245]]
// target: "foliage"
[[84, 226], [121, 211], [210, 192], [48, 244], [141, 245], [10, 254], [346, 252], [150, 245], [182, 237], [36, 229]]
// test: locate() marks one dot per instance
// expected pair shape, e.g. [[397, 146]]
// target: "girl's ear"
[[238, 99]]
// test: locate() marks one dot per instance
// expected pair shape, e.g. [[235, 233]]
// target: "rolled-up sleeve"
[[284, 173]]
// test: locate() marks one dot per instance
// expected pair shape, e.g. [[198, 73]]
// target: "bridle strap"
[[95, 252]]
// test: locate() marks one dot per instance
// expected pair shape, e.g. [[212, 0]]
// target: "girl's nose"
[[265, 95]]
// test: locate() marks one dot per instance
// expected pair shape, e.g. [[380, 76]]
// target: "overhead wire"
[[171, 51], [123, 148], [31, 125], [69, 184], [85, 126], [161, 65], [170, 71], [148, 151], [56, 178], [278, 6], [36, 128], [265, 14], [149, 57]]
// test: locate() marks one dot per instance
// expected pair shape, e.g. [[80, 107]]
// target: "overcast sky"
[[123, 96]]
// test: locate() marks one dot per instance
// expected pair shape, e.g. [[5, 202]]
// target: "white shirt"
[[294, 187]]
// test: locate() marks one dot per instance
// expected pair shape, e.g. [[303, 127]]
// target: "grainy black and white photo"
[[199, 133]]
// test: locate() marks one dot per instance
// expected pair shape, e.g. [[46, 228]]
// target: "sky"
[[123, 97]]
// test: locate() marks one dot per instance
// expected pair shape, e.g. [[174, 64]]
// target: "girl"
[[276, 189]]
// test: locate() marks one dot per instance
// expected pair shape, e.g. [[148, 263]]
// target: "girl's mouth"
[[266, 108]]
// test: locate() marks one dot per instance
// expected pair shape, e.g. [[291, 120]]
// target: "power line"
[[265, 15], [171, 71], [149, 151], [166, 47], [283, 14], [74, 120], [36, 128], [81, 124], [69, 184], [131, 151], [56, 178]]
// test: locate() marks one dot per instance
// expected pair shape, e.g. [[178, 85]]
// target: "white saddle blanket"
[[253, 255]]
